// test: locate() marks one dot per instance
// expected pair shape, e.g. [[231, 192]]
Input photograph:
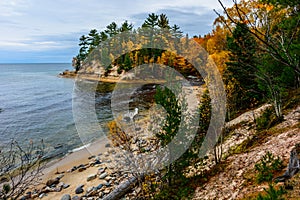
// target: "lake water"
[[36, 104]]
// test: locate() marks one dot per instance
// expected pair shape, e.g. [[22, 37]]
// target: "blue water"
[[36, 104]]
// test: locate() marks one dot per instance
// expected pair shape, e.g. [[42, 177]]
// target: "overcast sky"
[[48, 30]]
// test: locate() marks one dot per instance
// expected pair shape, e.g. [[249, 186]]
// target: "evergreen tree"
[[163, 21], [83, 52], [126, 27], [83, 43], [151, 21], [127, 64], [93, 40], [242, 64], [103, 36], [176, 32], [112, 29]]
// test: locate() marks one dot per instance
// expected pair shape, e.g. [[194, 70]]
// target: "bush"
[[267, 166], [263, 121], [116, 135], [6, 188], [272, 194], [182, 190], [267, 120]]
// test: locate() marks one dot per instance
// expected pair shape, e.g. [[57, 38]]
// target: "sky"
[[47, 31]]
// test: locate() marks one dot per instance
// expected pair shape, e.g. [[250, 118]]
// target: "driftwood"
[[122, 189], [293, 167]]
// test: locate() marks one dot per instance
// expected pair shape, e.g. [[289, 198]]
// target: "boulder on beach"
[[63, 185], [76, 198], [81, 169], [91, 192], [99, 186], [103, 175], [91, 177], [79, 189], [66, 197], [101, 170], [52, 182], [42, 195]]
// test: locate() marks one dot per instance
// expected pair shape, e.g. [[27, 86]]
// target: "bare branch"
[[20, 169], [273, 50], [224, 22]]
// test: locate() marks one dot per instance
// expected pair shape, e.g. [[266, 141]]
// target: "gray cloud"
[[8, 22], [190, 22], [53, 25]]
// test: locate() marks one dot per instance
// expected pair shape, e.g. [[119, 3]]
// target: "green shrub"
[[292, 100], [272, 194], [267, 166], [267, 120], [176, 192], [263, 121], [6, 188]]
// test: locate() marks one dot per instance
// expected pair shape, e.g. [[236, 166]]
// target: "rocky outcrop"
[[68, 74]]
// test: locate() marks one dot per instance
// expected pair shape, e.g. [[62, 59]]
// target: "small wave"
[[80, 148]]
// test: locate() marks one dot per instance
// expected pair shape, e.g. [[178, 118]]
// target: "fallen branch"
[[122, 189]]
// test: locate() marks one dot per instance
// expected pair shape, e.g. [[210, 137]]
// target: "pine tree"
[[112, 29], [126, 27], [93, 40], [127, 64], [176, 32], [151, 21], [163, 21], [242, 64]]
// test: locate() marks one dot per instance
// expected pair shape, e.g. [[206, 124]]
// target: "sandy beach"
[[75, 158], [94, 167], [62, 166]]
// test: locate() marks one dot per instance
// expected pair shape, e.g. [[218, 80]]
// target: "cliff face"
[[95, 72]]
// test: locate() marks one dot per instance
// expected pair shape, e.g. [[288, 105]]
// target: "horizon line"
[[5, 63]]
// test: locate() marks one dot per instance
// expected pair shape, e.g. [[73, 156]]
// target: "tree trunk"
[[122, 189], [277, 104]]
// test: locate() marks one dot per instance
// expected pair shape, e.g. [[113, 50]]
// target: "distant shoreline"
[[109, 79], [35, 63]]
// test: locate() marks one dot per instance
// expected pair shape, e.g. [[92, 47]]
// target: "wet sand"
[[74, 159]]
